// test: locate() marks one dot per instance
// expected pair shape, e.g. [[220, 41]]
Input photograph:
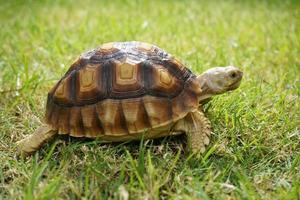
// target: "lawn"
[[255, 146]]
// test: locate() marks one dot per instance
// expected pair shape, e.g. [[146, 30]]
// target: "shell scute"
[[158, 110], [126, 77], [63, 120], [90, 120], [111, 116], [164, 82], [76, 123], [135, 115], [121, 90], [63, 91], [89, 83]]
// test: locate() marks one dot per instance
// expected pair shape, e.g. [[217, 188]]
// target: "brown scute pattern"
[[178, 69], [159, 110], [175, 62], [142, 46], [52, 90], [121, 117], [89, 83], [105, 51], [108, 48], [164, 82], [187, 101], [110, 114], [179, 109], [126, 77], [63, 91], [63, 120], [91, 123], [151, 51], [135, 115], [117, 118], [49, 109], [76, 65], [54, 115], [112, 79], [76, 123], [121, 89]]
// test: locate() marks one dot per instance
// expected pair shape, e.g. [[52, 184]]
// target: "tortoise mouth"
[[236, 76], [235, 84]]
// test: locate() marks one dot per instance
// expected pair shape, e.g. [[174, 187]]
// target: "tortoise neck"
[[206, 91]]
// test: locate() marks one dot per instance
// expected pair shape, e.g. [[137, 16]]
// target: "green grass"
[[255, 148]]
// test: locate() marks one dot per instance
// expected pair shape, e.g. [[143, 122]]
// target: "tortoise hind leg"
[[33, 142], [197, 128]]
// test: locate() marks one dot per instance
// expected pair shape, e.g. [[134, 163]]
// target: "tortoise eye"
[[233, 75]]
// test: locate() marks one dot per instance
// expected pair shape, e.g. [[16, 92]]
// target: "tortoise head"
[[219, 80]]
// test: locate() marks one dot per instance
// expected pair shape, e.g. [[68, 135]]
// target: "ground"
[[255, 146]]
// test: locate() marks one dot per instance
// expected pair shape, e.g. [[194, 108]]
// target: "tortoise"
[[128, 90]]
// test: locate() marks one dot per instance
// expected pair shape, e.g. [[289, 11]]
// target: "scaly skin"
[[33, 142], [197, 128]]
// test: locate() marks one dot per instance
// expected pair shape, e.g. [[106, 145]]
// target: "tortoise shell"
[[119, 89]]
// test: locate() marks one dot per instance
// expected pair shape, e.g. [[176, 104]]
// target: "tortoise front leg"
[[33, 142], [197, 128]]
